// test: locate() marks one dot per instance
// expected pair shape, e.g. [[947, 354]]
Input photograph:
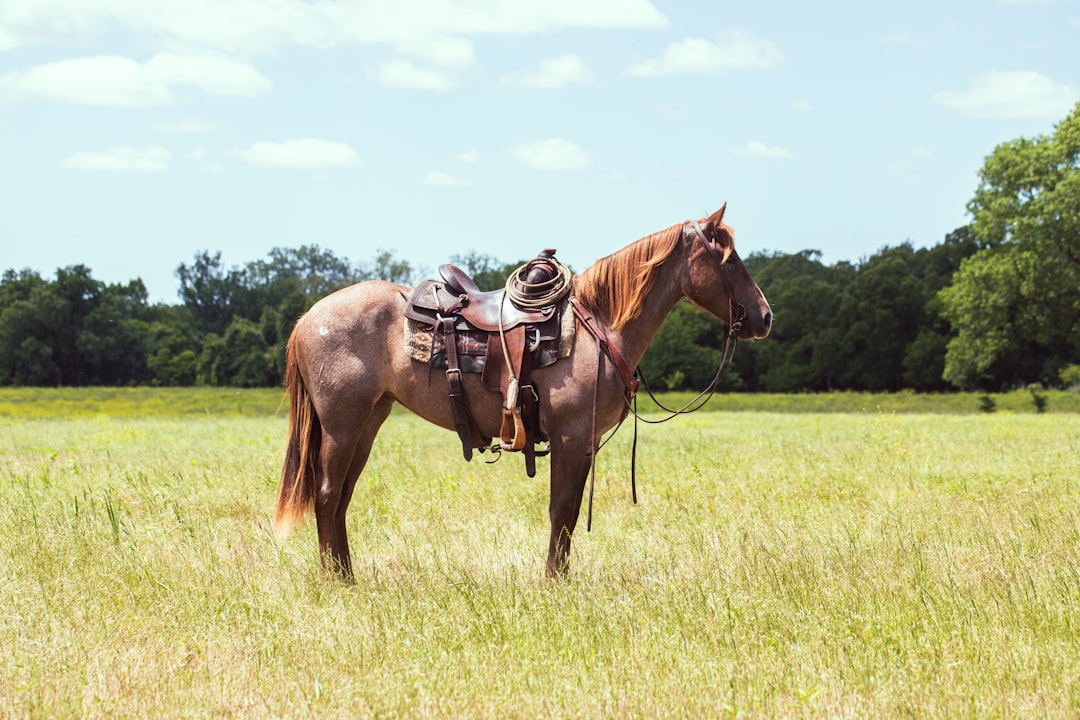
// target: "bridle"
[[632, 380], [734, 323], [736, 315]]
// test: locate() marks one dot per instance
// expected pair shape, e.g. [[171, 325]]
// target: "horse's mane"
[[616, 285]]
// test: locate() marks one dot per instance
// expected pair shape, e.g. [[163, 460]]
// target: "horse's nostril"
[[767, 320]]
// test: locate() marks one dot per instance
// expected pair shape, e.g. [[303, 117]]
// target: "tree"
[[924, 360], [172, 346], [111, 342], [1015, 304], [488, 272], [806, 349], [74, 330], [25, 356], [881, 311], [386, 266], [243, 358], [686, 352], [209, 291]]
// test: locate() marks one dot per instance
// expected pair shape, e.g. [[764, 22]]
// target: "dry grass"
[[812, 565]]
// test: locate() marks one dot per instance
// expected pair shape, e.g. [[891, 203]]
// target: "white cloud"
[[401, 73], [552, 154], [469, 157], [301, 154], [214, 74], [122, 159], [189, 125], [103, 80], [997, 94], [256, 26], [33, 21], [757, 149], [445, 53], [554, 72], [113, 80], [801, 105], [734, 50], [441, 179], [429, 38]]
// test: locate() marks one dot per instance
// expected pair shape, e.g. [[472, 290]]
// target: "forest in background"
[[994, 306]]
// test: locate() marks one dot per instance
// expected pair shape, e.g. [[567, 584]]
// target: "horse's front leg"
[[570, 463]]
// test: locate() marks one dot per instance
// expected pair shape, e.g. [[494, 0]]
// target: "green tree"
[[73, 330], [243, 358], [209, 291], [308, 269], [1015, 304], [488, 272], [806, 349], [880, 312], [172, 346], [387, 266], [111, 342], [924, 359], [686, 352]]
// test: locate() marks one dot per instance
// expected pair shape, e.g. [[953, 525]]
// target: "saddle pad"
[[425, 343]]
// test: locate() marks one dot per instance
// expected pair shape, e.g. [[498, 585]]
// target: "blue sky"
[[135, 133]]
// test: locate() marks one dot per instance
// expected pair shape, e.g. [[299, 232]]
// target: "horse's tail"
[[297, 492]]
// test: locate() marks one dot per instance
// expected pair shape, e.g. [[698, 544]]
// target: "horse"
[[347, 365]]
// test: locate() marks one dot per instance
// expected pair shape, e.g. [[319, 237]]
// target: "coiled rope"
[[529, 291], [534, 294]]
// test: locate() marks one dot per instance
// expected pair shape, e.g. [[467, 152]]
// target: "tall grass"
[[819, 564], [28, 403]]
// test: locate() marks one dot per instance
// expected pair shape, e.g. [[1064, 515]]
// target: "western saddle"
[[513, 321]]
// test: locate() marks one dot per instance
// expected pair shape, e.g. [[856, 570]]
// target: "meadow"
[[809, 556]]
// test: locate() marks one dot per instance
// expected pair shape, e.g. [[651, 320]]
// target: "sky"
[[135, 134]]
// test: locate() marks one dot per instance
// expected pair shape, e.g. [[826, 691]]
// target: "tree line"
[[994, 306]]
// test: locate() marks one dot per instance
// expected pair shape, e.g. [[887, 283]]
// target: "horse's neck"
[[637, 335]]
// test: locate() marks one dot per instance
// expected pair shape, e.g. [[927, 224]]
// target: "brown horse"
[[347, 365]]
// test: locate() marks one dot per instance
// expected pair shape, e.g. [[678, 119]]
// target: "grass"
[[29, 403], [811, 564]]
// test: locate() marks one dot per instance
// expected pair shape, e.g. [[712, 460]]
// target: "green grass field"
[[867, 561]]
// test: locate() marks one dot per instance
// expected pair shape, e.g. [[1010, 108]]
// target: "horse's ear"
[[722, 238], [717, 217]]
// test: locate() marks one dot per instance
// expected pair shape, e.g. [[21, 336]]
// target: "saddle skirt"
[[549, 340]]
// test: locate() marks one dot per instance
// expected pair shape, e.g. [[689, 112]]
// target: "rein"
[[632, 380]]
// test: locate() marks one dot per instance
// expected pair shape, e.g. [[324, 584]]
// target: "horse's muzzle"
[[755, 326]]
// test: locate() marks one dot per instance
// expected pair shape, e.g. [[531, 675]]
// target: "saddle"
[[502, 334]]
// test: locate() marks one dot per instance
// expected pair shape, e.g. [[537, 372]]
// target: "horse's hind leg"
[[342, 458], [569, 471]]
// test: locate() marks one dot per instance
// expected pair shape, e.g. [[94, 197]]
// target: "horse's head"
[[717, 281]]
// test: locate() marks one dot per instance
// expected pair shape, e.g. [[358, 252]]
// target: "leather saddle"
[[456, 307], [483, 309]]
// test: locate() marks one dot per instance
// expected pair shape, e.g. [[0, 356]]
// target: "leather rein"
[[633, 379], [736, 315]]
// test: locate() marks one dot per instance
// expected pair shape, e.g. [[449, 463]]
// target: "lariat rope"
[[531, 296], [537, 295]]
